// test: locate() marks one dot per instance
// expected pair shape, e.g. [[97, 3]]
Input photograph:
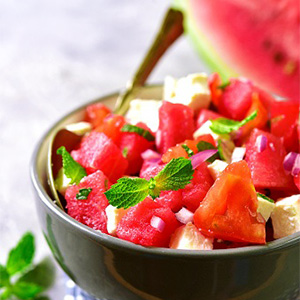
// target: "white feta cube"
[[216, 168], [265, 207], [286, 216], [192, 90], [114, 216], [205, 129], [145, 111], [188, 237], [79, 128]]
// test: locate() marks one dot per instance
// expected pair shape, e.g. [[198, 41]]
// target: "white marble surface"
[[54, 56]]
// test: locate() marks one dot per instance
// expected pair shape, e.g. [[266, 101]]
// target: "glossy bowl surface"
[[110, 268]]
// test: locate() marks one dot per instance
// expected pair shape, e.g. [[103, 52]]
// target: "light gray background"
[[54, 56]]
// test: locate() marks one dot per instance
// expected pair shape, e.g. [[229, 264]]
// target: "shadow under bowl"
[[110, 268]]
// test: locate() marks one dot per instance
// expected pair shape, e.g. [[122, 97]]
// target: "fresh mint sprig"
[[140, 131], [71, 168], [83, 194], [223, 125], [20, 278], [128, 191], [188, 150]]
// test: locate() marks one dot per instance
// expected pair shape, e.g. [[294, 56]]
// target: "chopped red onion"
[[202, 156], [158, 223], [296, 166], [184, 216], [289, 161], [238, 154], [150, 154], [261, 143]]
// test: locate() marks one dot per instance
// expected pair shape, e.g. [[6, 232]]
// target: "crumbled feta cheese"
[[114, 216], [145, 111], [62, 182], [192, 90], [188, 237], [265, 207], [286, 216], [216, 168], [79, 128], [205, 129]]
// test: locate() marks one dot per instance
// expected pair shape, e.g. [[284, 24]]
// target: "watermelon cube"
[[194, 193], [137, 227], [91, 211], [205, 115], [176, 124], [267, 166], [96, 113], [98, 152], [236, 99]]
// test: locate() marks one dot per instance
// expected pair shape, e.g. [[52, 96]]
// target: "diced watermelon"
[[111, 127], [195, 192], [176, 124], [171, 199], [96, 113], [98, 152], [297, 181], [205, 115], [267, 166], [214, 83], [236, 99], [132, 146], [91, 211], [136, 226], [284, 122]]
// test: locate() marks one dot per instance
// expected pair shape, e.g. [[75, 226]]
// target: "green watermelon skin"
[[258, 39]]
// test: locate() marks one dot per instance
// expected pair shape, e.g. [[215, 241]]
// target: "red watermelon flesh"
[[136, 226], [98, 152], [132, 146], [205, 115], [267, 166], [195, 192], [171, 199], [236, 99], [258, 39], [176, 124], [91, 211]]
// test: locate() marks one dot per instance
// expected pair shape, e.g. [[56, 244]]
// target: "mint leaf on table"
[[21, 256], [174, 176], [42, 274], [26, 290], [223, 125], [265, 197], [189, 151], [140, 131], [72, 169], [4, 276], [127, 192], [83, 194]]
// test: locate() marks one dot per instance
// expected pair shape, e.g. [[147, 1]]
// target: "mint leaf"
[[43, 274], [224, 85], [140, 131], [72, 169], [127, 192], [174, 176], [4, 277], [223, 126], [26, 290], [189, 151], [21, 256], [83, 194], [6, 294], [265, 197]]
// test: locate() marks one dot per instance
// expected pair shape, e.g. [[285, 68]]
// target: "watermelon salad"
[[213, 165]]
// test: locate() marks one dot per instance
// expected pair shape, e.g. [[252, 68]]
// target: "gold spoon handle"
[[170, 30]]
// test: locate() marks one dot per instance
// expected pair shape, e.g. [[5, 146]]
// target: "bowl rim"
[[114, 242]]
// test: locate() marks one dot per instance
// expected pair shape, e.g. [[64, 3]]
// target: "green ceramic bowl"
[[110, 268]]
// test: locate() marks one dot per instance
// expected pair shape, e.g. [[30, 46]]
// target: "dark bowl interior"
[[109, 268]]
